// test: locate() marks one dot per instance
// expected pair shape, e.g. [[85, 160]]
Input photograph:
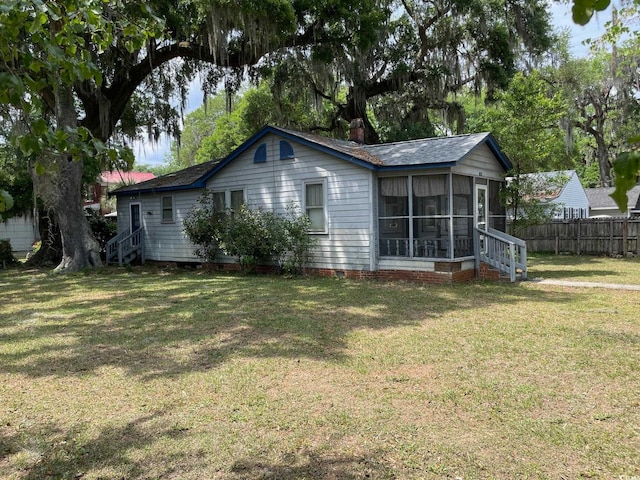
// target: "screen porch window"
[[167, 209], [497, 212], [426, 216], [315, 206]]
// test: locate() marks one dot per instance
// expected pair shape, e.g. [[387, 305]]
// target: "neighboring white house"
[[601, 203], [406, 209], [562, 191], [21, 231]]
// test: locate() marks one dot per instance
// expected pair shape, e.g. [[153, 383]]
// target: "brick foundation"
[[453, 275], [488, 273]]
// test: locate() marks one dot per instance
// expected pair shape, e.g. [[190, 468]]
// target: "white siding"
[[20, 231], [276, 184], [163, 241], [573, 195]]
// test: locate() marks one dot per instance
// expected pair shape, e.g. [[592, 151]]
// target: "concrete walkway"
[[567, 283]]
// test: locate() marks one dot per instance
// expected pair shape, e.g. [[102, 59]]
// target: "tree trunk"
[[79, 247], [60, 187], [50, 252]]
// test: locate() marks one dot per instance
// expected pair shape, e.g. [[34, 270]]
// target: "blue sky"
[[153, 155]]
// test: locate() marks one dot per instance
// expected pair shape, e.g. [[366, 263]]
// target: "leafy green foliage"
[[104, 229], [627, 164], [524, 119], [6, 254], [6, 202], [16, 192], [252, 235], [63, 38], [583, 10], [526, 198]]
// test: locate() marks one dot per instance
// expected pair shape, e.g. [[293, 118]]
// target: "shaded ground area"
[[144, 373]]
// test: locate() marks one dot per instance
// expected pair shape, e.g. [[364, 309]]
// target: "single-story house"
[[400, 210], [601, 203], [562, 191]]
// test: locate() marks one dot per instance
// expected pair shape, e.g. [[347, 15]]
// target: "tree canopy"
[[88, 75]]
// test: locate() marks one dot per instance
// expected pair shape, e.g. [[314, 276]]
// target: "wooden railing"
[[113, 244], [125, 245], [426, 247], [503, 252]]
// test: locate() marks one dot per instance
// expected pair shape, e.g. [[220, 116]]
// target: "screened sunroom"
[[433, 216]]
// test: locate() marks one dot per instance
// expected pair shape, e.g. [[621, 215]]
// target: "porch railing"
[[505, 253], [126, 246], [113, 245]]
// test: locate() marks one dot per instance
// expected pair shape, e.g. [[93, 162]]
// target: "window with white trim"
[[231, 199], [166, 203], [315, 205]]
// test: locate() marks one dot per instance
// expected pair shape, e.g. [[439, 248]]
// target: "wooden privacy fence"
[[590, 236]]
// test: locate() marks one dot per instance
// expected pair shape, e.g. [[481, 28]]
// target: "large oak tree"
[[88, 75]]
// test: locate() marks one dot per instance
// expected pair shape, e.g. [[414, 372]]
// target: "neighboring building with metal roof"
[[375, 210], [601, 203]]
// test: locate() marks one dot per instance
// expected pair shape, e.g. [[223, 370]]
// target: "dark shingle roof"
[[427, 153], [182, 179], [435, 151], [600, 198]]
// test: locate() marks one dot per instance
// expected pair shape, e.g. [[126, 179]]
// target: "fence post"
[[611, 237], [579, 241], [625, 234]]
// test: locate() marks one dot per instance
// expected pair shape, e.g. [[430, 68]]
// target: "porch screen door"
[[482, 213]]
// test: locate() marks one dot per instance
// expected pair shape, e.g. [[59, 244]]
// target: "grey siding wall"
[[480, 163], [276, 184]]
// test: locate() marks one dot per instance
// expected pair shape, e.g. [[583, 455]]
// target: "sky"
[[154, 155]]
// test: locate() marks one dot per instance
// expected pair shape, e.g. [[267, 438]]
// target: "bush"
[[6, 254], [104, 229], [252, 235]]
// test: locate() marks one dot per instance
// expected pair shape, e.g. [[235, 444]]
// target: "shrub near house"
[[252, 235]]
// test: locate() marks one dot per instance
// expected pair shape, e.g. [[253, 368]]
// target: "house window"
[[315, 205], [229, 199], [236, 199], [167, 209], [219, 203]]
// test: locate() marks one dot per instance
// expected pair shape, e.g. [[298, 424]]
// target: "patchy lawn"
[[141, 374], [585, 268]]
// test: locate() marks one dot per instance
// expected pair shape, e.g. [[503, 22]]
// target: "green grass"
[[145, 374], [586, 269]]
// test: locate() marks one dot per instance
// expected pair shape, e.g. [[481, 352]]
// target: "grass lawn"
[[145, 374], [585, 269]]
